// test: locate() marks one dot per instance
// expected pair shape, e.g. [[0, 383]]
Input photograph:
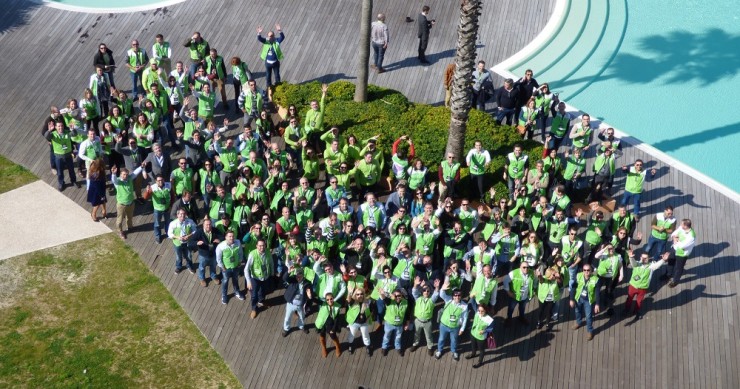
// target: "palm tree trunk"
[[364, 54], [461, 101]]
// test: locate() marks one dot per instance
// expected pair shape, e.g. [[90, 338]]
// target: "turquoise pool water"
[[110, 4], [665, 72]]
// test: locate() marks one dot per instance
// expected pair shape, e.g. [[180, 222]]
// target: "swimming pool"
[[666, 73], [109, 6]]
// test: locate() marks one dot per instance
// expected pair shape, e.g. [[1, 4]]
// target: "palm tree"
[[364, 55], [461, 101]]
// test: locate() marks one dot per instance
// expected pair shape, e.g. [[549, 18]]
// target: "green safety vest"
[[229, 158], [661, 221], [517, 282], [625, 222], [547, 287], [250, 98], [354, 310], [206, 178], [91, 150], [425, 242], [160, 198], [557, 229], [634, 181], [591, 236], [482, 291], [574, 165], [218, 63], [396, 312], [198, 50], [230, 256], [240, 73], [570, 250], [451, 314], [143, 142], [221, 206], [136, 58], [560, 203], [275, 46], [424, 308], [601, 160], [91, 108], [324, 312], [404, 269], [560, 124], [506, 245], [206, 104], [180, 232], [61, 144], [416, 178], [183, 180], [403, 163], [125, 191], [260, 268], [580, 141], [335, 287], [160, 50], [590, 287], [516, 165], [467, 218], [449, 171], [682, 236], [315, 118], [479, 325]]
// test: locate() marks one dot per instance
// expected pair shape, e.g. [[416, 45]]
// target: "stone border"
[[92, 10]]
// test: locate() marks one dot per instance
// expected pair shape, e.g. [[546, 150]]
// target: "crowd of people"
[[329, 242]]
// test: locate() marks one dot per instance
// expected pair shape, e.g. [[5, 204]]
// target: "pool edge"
[[74, 8]]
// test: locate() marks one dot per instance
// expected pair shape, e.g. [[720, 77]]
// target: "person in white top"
[[478, 160]]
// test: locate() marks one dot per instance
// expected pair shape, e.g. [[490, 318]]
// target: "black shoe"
[[285, 333], [409, 20], [477, 365], [672, 284], [78, 184], [369, 351], [400, 352], [60, 188], [384, 352], [351, 350], [178, 270], [430, 351], [471, 356], [414, 348], [305, 330]]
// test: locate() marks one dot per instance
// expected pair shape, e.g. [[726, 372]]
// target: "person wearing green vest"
[[206, 101], [452, 320], [596, 232], [216, 72], [584, 298], [570, 251], [609, 141], [125, 196], [297, 293], [271, 52], [180, 231], [582, 133], [359, 319], [61, 144], [371, 213], [485, 287], [183, 177], [548, 293], [684, 240], [603, 169], [221, 205], [314, 122], [633, 185], [90, 149], [424, 300], [229, 256], [153, 75], [506, 249], [558, 128], [519, 285], [328, 322], [553, 164], [449, 175], [478, 161], [396, 319], [557, 227], [480, 330], [367, 174], [199, 49], [328, 281], [251, 101], [161, 197], [209, 180], [240, 75], [622, 219], [516, 168], [229, 158], [162, 53], [136, 62], [661, 227], [575, 169], [538, 180], [257, 272], [401, 157], [642, 272]]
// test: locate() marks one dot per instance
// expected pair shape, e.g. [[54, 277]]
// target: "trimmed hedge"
[[389, 114]]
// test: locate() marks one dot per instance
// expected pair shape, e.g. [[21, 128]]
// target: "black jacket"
[[191, 208], [292, 289], [98, 59], [208, 248], [424, 26]]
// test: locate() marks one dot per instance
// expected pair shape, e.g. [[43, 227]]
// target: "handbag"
[[521, 129], [491, 341]]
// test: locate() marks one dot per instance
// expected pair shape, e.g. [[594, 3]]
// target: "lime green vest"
[[570, 250], [591, 236], [560, 124], [135, 58], [517, 281], [396, 312], [482, 291], [324, 312], [160, 50], [516, 165], [682, 236], [451, 314], [125, 191], [601, 160], [260, 265], [218, 63], [61, 144], [206, 104], [547, 287], [590, 287], [416, 178], [275, 46], [634, 181], [198, 50], [178, 231], [641, 276], [183, 180], [449, 171], [230, 256], [160, 198], [424, 308], [477, 163], [479, 326], [665, 223], [580, 141], [354, 310]]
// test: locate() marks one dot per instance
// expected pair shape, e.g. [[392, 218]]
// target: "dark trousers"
[[270, 68], [478, 180], [678, 264], [258, 292], [423, 41], [545, 311], [60, 162], [479, 348]]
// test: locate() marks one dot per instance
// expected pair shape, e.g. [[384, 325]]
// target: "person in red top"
[[401, 157]]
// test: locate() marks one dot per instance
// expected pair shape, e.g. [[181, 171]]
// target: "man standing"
[[380, 38], [482, 86], [271, 53], [423, 34], [180, 231], [516, 169], [684, 239], [478, 160], [61, 143], [257, 271], [642, 272], [137, 59], [124, 184], [104, 59], [162, 53], [424, 299], [206, 239], [519, 284], [507, 98], [251, 102], [216, 71], [229, 256], [634, 184], [161, 195], [297, 293], [661, 227], [199, 49], [452, 322], [583, 297]]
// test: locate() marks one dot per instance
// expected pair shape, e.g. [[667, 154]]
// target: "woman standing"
[[96, 188], [327, 322], [479, 331], [359, 319]]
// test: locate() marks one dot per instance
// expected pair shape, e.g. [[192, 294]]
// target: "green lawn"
[[13, 176], [90, 314]]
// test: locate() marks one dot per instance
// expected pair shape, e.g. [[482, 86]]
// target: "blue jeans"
[[270, 68], [512, 304], [182, 252], [379, 52], [583, 306], [233, 276], [390, 330], [657, 243], [258, 292], [135, 81], [445, 331], [289, 309], [505, 113], [381, 309], [572, 274], [203, 262], [157, 226], [61, 161], [635, 197], [169, 130], [51, 157]]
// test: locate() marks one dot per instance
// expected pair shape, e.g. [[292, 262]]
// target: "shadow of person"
[[524, 349], [687, 296]]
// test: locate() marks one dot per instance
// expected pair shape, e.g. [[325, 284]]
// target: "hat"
[[299, 271], [372, 141]]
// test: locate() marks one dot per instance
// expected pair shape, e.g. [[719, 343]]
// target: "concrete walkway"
[[37, 216]]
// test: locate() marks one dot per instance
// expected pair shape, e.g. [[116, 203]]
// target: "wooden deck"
[[689, 337]]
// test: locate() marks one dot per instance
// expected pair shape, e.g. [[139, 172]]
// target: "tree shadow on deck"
[[16, 14]]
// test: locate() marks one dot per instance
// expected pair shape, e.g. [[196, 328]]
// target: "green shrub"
[[389, 115]]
